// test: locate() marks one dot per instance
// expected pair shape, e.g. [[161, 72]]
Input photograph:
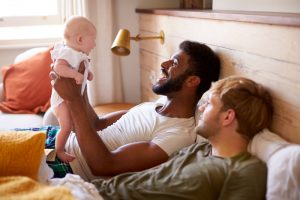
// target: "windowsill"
[[286, 19], [29, 36]]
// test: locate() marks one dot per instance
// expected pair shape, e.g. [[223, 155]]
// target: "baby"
[[79, 40]]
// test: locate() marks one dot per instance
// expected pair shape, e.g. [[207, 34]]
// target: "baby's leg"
[[65, 122]]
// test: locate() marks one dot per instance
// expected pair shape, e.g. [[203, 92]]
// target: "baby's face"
[[88, 42]]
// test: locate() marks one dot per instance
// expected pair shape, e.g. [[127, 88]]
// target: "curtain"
[[72, 7], [106, 87]]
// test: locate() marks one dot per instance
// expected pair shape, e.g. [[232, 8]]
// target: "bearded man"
[[149, 133]]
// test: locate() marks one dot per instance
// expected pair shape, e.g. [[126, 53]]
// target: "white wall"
[[127, 18], [8, 55], [289, 6]]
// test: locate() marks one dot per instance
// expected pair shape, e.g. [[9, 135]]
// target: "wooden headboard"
[[263, 47]]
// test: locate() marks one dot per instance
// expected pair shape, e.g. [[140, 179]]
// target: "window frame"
[[31, 31]]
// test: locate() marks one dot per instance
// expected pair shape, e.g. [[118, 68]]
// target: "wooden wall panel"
[[150, 71], [260, 39], [269, 54]]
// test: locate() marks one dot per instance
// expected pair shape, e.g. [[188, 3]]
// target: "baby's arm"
[[62, 68]]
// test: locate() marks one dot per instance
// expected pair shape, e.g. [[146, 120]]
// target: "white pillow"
[[28, 53], [45, 172], [283, 161], [284, 174], [49, 118], [265, 144]]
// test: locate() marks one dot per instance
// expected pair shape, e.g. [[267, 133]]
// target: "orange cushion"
[[27, 86]]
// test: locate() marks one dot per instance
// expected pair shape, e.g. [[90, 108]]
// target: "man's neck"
[[178, 107], [228, 147]]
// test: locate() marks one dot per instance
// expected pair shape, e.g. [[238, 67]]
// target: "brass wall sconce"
[[121, 44]]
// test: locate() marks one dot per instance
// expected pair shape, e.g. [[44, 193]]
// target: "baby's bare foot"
[[65, 157]]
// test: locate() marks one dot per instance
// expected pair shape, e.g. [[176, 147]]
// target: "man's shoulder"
[[144, 104], [142, 107], [202, 147], [246, 177], [250, 159], [246, 163]]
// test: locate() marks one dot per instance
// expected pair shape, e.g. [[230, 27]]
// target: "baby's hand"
[[78, 78], [90, 76]]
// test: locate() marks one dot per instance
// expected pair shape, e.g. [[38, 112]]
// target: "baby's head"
[[80, 34]]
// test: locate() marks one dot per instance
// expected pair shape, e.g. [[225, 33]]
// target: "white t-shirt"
[[74, 58], [141, 123]]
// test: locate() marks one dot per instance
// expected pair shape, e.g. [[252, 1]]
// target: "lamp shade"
[[121, 44]]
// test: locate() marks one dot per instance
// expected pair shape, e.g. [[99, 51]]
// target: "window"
[[29, 12], [29, 21]]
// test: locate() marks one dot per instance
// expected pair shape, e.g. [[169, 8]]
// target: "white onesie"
[[74, 58]]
